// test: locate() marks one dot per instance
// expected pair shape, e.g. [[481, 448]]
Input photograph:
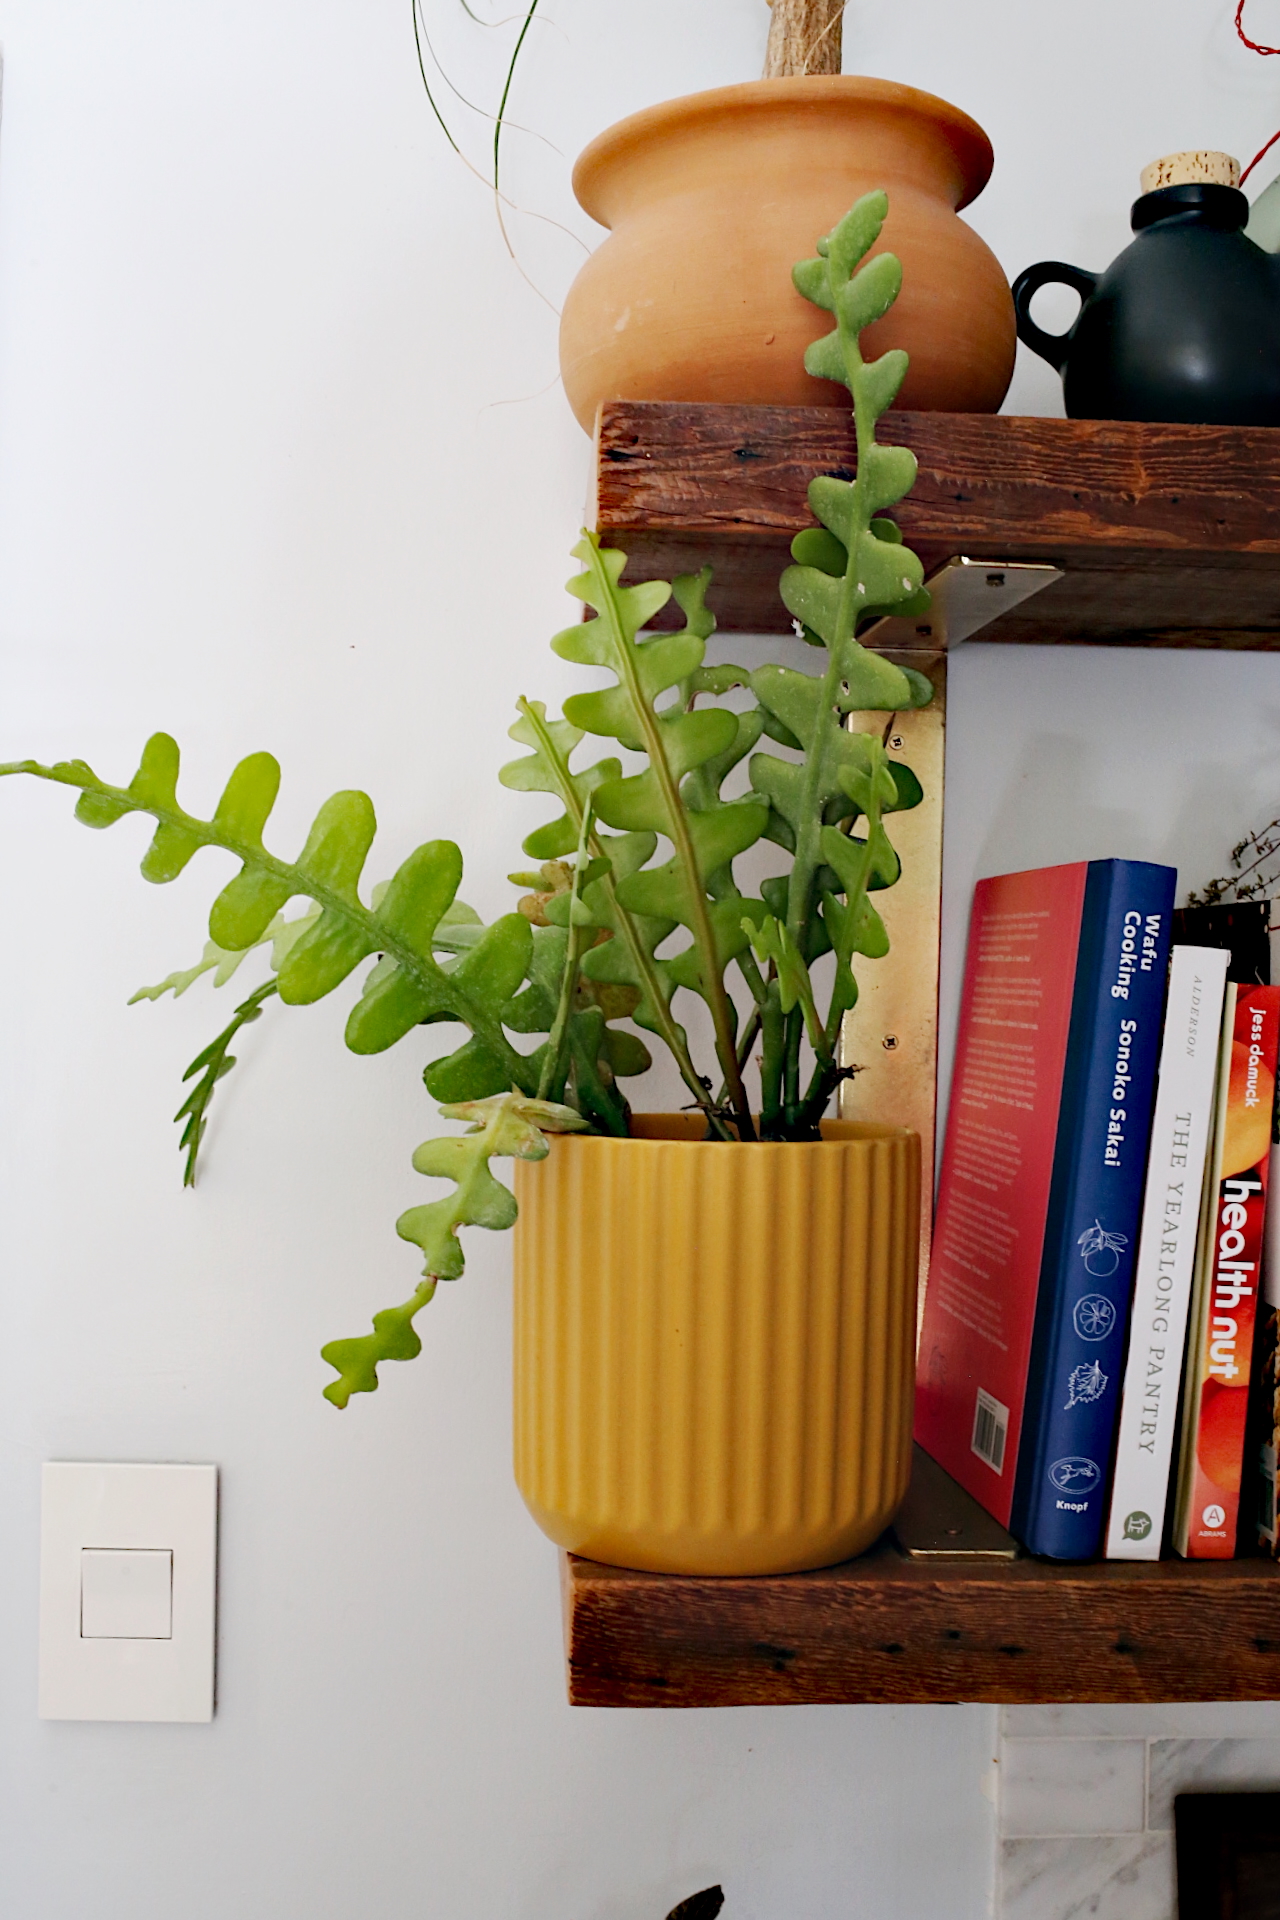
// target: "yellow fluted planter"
[[714, 1344]]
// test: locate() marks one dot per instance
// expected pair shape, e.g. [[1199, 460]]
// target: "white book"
[[1176, 1166]]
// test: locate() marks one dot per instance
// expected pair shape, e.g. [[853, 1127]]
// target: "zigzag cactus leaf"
[[675, 742], [630, 953], [866, 298], [546, 770], [333, 857], [773, 945], [855, 861], [393, 1338], [473, 1072], [816, 547], [625, 1052], [248, 797], [858, 864], [212, 1065], [689, 590], [854, 235], [810, 278], [882, 380], [491, 972], [628, 958], [853, 567], [533, 1010], [889, 473], [509, 1123], [506, 1123], [327, 873], [216, 1061], [214, 959]]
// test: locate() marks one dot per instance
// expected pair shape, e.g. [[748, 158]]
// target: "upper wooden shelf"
[[890, 1629], [1169, 536]]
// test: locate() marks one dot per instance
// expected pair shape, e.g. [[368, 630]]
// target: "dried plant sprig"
[[1251, 878]]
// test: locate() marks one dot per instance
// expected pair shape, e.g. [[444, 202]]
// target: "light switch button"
[[126, 1593]]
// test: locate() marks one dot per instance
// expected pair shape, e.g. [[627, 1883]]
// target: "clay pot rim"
[[825, 93], [686, 1130]]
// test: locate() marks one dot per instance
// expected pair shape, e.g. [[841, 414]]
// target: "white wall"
[[270, 474]]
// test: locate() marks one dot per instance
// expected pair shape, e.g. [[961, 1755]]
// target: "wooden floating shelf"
[[1168, 535], [890, 1629]]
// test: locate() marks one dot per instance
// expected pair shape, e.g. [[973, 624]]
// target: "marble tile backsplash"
[[1086, 1800]]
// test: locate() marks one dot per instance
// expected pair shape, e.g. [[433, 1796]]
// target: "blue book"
[[1094, 1208]]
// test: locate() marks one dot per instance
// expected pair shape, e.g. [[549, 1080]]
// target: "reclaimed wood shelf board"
[[886, 1628], [1168, 535]]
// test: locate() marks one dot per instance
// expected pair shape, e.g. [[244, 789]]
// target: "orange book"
[[1228, 1272]]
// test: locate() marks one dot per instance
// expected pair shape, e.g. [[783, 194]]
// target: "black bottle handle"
[[1050, 346]]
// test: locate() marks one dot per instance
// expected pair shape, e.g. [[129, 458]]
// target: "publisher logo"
[[1214, 1517], [1094, 1316], [1074, 1474], [1137, 1526]]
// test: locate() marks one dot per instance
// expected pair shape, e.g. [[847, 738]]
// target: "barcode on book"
[[990, 1429]]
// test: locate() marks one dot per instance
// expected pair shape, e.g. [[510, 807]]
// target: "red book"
[[1002, 1125], [1229, 1266]]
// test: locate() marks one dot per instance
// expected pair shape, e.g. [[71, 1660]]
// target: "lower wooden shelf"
[[895, 1630]]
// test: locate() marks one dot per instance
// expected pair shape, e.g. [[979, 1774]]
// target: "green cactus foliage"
[[634, 900]]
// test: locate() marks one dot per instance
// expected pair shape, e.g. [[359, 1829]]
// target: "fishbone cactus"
[[635, 900]]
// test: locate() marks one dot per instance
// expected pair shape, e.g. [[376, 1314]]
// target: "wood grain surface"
[[1170, 535], [889, 1629]]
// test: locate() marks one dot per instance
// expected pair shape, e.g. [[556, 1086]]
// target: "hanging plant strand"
[[506, 90], [424, 48]]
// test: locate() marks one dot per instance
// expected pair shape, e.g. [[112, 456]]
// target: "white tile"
[[1072, 1786], [1117, 1877], [1190, 1766], [1190, 1720]]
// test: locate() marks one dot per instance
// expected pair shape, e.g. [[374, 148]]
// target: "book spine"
[[1190, 1405], [1267, 1366], [1180, 1131], [1214, 1446], [1095, 1203]]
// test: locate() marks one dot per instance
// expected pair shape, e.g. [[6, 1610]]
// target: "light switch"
[[126, 1593], [128, 1561]]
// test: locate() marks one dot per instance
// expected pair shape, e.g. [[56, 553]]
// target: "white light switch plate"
[[128, 1568]]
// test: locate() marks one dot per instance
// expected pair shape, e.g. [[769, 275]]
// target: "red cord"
[[1257, 156], [1255, 47]]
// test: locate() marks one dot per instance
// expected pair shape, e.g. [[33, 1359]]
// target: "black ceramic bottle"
[[1184, 325]]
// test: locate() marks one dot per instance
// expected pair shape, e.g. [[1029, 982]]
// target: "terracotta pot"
[[714, 1345], [713, 198]]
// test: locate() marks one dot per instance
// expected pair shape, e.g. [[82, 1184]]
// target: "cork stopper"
[[1191, 169]]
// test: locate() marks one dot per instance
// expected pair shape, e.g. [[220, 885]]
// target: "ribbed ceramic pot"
[[714, 197], [714, 1345]]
